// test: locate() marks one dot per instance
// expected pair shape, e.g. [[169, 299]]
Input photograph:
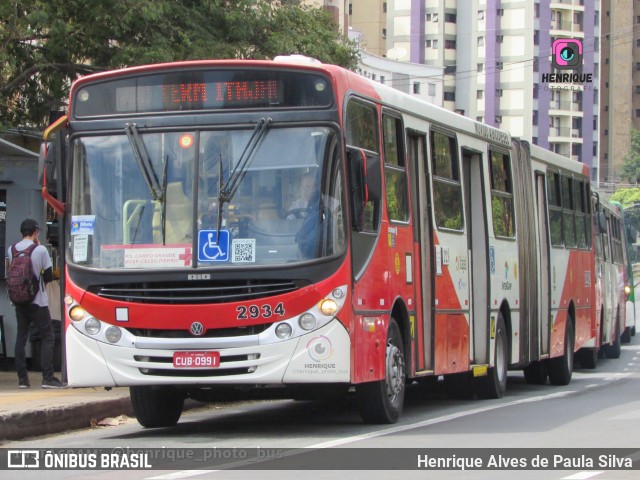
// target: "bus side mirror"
[[365, 183], [601, 222], [47, 161]]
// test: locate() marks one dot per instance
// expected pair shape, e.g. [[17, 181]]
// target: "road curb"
[[52, 420]]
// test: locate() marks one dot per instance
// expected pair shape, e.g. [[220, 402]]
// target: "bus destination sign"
[[196, 90]]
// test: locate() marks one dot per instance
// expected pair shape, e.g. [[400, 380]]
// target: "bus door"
[[478, 253], [543, 255], [423, 236]]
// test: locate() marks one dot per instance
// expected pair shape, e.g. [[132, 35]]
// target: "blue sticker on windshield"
[[213, 246], [83, 224]]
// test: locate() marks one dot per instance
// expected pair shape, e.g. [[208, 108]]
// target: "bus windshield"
[[165, 210]]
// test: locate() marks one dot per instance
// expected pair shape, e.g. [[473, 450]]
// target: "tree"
[[46, 44], [630, 170]]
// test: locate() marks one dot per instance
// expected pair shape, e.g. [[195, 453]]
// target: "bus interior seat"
[[179, 212]]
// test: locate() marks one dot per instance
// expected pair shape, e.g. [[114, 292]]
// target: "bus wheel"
[[561, 368], [536, 373], [156, 406], [614, 350], [588, 357], [626, 335], [494, 384], [382, 401]]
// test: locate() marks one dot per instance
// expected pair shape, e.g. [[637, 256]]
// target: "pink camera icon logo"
[[566, 54]]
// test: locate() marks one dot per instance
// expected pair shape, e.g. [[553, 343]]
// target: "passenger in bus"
[[299, 208]]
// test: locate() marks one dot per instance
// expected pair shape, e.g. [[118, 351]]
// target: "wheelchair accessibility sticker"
[[212, 249]]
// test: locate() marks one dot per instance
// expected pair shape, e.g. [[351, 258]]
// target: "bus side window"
[[447, 189], [502, 195], [394, 169], [555, 209]]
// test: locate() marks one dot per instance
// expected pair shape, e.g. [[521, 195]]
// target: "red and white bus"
[[299, 228], [611, 279]]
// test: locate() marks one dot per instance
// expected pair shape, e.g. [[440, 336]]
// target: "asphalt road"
[[598, 410]]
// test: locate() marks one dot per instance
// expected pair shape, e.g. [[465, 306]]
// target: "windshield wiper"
[[227, 191], [143, 161]]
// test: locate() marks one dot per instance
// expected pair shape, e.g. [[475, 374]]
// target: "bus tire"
[[382, 401], [494, 384], [561, 368], [626, 335], [536, 373], [614, 350], [588, 357], [156, 406]]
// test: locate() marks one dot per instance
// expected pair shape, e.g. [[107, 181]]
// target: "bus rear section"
[[610, 310]]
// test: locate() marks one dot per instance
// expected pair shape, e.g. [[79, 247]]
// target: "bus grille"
[[191, 292]]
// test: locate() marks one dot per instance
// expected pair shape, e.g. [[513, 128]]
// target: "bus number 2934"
[[254, 311]]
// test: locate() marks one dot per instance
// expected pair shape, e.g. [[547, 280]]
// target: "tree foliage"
[[630, 170], [46, 44]]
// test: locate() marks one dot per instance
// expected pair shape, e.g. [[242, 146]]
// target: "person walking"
[[36, 312]]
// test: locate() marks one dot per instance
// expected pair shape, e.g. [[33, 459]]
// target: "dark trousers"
[[40, 317]]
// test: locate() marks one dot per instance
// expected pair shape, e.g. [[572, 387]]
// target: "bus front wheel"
[[156, 406], [382, 401]]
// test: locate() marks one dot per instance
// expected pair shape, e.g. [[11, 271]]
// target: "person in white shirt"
[[37, 312]]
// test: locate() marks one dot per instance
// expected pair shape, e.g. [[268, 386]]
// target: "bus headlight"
[[92, 326], [77, 313], [113, 334], [307, 321], [283, 331], [627, 290], [328, 307]]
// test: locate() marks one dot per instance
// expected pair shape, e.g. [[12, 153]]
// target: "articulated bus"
[[295, 229], [610, 308], [629, 329]]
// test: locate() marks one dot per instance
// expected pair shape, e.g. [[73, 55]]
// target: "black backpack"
[[22, 284]]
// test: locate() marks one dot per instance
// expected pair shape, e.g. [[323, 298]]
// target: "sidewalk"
[[36, 411]]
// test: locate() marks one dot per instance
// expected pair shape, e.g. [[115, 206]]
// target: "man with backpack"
[[26, 291]]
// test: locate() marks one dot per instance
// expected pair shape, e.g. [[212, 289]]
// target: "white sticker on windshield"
[[80, 248], [83, 224], [243, 250]]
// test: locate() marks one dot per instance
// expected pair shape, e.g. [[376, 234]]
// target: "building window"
[[450, 44], [638, 112], [480, 94], [595, 122], [535, 117], [499, 38], [432, 89], [427, 43], [384, 33], [498, 119], [384, 7], [480, 14], [480, 67], [450, 17], [499, 65], [500, 12], [498, 92], [480, 119], [480, 41], [435, 44], [637, 66], [416, 87], [536, 37], [381, 78], [449, 96]]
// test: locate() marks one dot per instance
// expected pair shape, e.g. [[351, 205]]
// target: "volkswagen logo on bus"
[[196, 329]]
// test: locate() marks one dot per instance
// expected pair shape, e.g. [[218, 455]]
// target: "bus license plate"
[[196, 359]]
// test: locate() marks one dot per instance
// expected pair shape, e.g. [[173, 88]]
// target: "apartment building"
[[620, 105], [498, 68]]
